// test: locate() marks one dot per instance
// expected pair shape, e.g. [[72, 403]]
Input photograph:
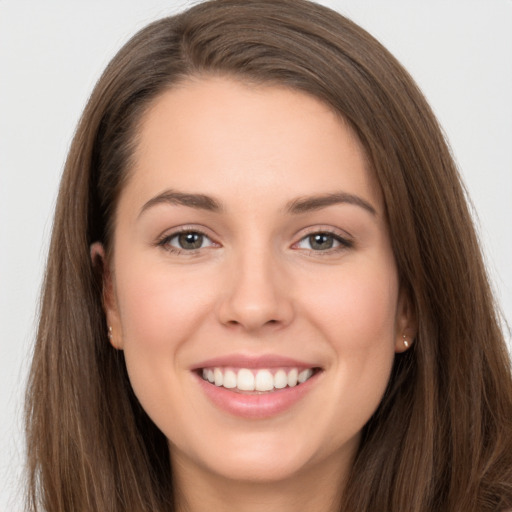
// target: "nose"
[[257, 293]]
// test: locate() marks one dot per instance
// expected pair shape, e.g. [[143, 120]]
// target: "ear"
[[108, 296], [406, 325]]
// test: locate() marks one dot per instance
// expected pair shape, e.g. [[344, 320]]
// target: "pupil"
[[191, 240], [321, 241]]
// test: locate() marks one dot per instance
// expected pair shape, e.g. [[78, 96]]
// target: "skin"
[[256, 286]]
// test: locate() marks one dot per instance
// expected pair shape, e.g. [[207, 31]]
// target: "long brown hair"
[[441, 440]]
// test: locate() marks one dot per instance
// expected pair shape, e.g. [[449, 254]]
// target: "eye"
[[186, 241], [322, 241]]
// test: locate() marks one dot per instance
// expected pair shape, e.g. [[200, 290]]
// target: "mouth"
[[257, 380], [256, 387]]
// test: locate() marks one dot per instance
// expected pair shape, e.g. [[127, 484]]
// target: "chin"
[[269, 456], [259, 468]]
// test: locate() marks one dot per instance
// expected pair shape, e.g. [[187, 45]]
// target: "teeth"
[[280, 379], [219, 378], [264, 381], [230, 379], [292, 377], [303, 375], [245, 380], [256, 380]]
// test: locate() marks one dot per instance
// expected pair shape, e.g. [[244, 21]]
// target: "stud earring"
[[109, 332], [406, 343]]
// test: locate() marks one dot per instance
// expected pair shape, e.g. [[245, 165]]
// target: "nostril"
[[253, 307]]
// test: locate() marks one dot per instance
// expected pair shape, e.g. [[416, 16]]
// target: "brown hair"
[[441, 440]]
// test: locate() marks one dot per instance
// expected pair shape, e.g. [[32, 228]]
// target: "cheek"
[[358, 309], [357, 318], [158, 307], [158, 311]]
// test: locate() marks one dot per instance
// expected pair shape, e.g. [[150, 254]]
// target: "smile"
[[256, 388], [261, 380]]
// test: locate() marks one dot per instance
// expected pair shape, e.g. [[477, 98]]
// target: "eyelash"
[[344, 243], [165, 242]]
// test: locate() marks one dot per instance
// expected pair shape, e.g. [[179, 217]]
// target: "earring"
[[109, 332], [406, 343]]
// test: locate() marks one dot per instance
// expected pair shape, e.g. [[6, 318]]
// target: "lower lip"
[[256, 406]]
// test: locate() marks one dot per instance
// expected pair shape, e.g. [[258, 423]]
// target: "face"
[[252, 285]]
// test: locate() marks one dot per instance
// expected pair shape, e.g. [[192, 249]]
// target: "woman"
[[264, 289]]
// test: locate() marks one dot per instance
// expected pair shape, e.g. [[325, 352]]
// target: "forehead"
[[214, 135]]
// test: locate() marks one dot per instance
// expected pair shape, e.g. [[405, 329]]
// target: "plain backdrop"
[[52, 53]]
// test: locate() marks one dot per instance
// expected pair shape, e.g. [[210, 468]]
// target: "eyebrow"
[[199, 201], [297, 206], [311, 203]]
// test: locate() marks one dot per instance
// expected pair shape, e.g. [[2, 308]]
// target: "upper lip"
[[250, 361]]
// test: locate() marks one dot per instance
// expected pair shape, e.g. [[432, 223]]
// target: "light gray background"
[[52, 52]]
